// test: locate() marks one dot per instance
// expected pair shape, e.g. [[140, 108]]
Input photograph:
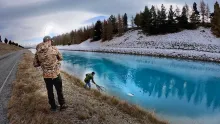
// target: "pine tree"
[[57, 40], [216, 20], [104, 30], [97, 31], [82, 34], [158, 25], [77, 37], [80, 37], [163, 14], [6, 40], [171, 15], [153, 21], [66, 39], [171, 21], [203, 11], [109, 30], [207, 13], [142, 19], [145, 19], [162, 19], [88, 32], [85, 34], [114, 24], [60, 40], [132, 22], [183, 22], [195, 17], [120, 26], [154, 16], [137, 20], [0, 38], [159, 20], [72, 36], [125, 22]]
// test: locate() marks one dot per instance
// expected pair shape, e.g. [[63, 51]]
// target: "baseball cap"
[[46, 38]]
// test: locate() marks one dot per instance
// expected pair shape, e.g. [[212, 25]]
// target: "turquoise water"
[[183, 92], [177, 90]]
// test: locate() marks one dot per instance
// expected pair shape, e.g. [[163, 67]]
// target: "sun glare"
[[48, 29]]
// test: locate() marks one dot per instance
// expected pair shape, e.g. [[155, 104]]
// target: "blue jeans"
[[87, 84]]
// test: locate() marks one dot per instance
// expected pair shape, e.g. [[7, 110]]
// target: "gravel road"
[[8, 68]]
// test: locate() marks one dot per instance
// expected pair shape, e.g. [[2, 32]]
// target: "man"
[[88, 78], [48, 57]]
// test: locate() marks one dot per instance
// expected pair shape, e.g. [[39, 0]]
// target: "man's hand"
[[36, 62], [59, 55]]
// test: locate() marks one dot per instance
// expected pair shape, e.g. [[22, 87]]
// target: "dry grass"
[[132, 110], [28, 104], [6, 48], [83, 116]]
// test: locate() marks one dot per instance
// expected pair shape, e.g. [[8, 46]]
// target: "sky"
[[28, 21]]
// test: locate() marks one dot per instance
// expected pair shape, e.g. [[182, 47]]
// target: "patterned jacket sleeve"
[[36, 62], [59, 55]]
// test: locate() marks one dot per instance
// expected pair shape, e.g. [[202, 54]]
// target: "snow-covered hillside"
[[193, 44]]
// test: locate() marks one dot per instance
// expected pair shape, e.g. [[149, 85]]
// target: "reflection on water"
[[177, 90]]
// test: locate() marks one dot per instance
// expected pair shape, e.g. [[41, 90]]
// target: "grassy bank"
[[28, 103], [6, 48]]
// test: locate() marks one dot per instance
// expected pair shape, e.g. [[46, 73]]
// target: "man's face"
[[49, 42]]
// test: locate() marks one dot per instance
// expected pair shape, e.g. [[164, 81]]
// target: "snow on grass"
[[198, 44], [185, 40]]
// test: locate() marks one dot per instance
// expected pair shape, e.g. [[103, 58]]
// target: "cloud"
[[53, 6], [12, 3], [22, 20], [39, 26], [95, 19]]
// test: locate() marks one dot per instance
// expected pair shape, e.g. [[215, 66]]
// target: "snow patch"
[[198, 44]]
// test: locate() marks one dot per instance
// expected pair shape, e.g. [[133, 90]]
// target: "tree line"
[[151, 21], [113, 26], [74, 37], [6, 41], [158, 21]]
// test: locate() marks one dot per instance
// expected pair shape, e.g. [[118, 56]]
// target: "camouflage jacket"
[[48, 57]]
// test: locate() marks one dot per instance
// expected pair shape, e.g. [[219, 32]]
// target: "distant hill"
[[6, 48]]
